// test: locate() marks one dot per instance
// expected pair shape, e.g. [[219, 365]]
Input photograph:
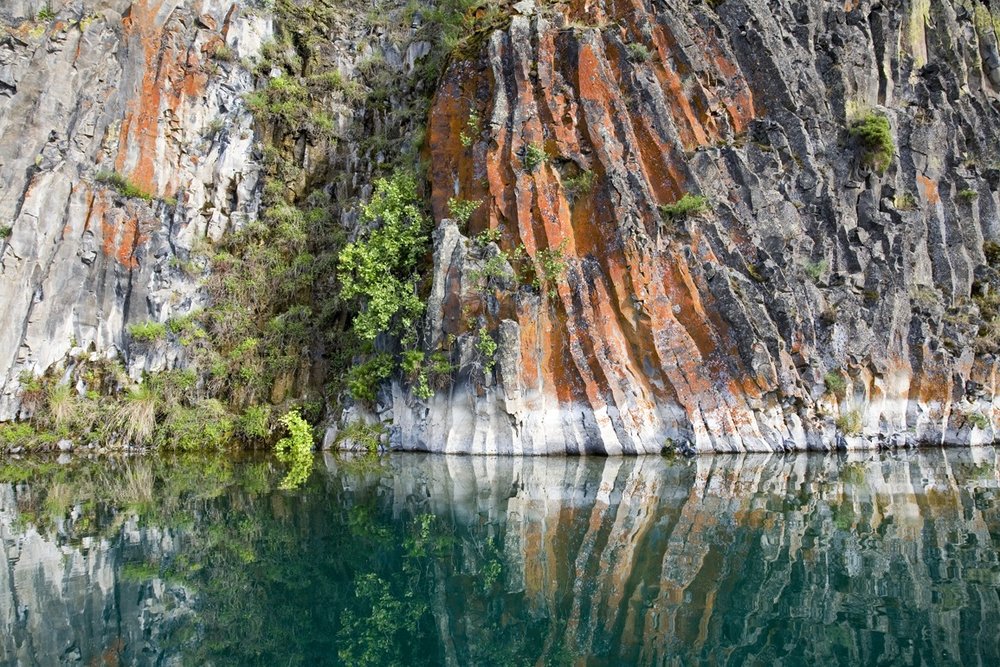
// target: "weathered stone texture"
[[715, 333], [133, 88]]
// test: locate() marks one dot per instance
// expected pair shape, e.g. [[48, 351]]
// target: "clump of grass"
[[835, 384], [968, 195], [875, 135], [850, 423], [815, 270], [46, 13], [147, 332], [135, 417], [580, 184], [363, 436], [534, 156], [122, 185], [5, 231], [638, 52], [687, 206], [223, 52]]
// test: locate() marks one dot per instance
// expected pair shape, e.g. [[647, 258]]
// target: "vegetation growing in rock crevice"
[[875, 136]]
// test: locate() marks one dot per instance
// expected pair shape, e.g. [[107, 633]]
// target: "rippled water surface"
[[424, 560]]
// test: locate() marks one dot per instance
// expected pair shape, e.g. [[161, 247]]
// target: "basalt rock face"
[[136, 89], [734, 329]]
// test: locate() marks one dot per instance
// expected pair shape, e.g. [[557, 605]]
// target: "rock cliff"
[[702, 226], [814, 299]]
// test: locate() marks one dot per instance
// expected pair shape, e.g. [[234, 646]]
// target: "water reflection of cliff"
[[798, 559], [70, 598], [465, 561]]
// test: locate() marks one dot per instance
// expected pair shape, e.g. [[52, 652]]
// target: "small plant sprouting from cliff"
[[362, 435], [379, 269], [122, 185], [148, 332], [46, 13], [835, 384], [687, 206], [534, 156], [462, 209], [487, 348], [905, 201], [978, 420], [968, 196], [875, 135], [5, 232], [850, 422], [815, 270], [578, 185], [364, 379], [553, 264], [472, 130], [639, 53], [487, 236]]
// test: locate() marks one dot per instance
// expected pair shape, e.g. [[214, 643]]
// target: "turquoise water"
[[420, 560]]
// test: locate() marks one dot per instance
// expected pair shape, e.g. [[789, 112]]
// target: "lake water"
[[888, 559]]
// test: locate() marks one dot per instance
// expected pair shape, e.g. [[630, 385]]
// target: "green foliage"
[[147, 332], [5, 231], [580, 184], [835, 384], [46, 13], [638, 52], [967, 195], [850, 423], [286, 101], [875, 136], [362, 435], [553, 265], [224, 53], [254, 425], [815, 270], [122, 185], [487, 348], [206, 426], [978, 420], [462, 209], [687, 206], [295, 449], [905, 201], [534, 156], [380, 268], [487, 236], [363, 380]]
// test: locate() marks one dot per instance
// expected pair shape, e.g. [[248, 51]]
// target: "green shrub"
[[488, 236], [875, 135], [905, 201], [979, 420], [553, 267], [254, 425], [206, 426], [462, 209], [487, 348], [379, 269], [223, 52], [578, 185], [363, 380], [687, 206], [122, 185], [815, 270], [6, 231], [835, 384], [534, 157], [638, 53], [147, 332], [850, 423], [295, 449], [46, 13], [968, 195]]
